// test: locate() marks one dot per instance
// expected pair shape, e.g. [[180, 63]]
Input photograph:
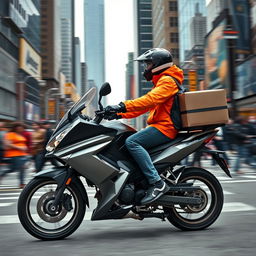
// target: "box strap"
[[203, 109]]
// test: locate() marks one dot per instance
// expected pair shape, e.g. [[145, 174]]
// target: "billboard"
[[240, 13], [29, 59], [216, 60], [246, 79]]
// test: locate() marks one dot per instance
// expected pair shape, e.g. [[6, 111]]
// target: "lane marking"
[[14, 219], [34, 197], [237, 207], [225, 192], [5, 204], [238, 181]]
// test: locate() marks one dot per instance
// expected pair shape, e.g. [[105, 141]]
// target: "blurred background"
[[54, 51]]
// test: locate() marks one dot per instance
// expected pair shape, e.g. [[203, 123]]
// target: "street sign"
[[192, 79], [230, 34], [51, 106]]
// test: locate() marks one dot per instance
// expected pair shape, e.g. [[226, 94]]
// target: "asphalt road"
[[234, 233]]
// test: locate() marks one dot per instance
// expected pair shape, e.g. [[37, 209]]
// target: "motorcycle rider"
[[159, 69]]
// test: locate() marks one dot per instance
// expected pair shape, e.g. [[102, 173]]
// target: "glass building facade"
[[143, 42], [67, 39], [94, 40], [187, 9]]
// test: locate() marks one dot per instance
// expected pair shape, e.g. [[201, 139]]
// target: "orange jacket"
[[158, 102], [17, 140]]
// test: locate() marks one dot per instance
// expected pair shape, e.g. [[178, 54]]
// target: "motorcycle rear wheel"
[[191, 218], [34, 214]]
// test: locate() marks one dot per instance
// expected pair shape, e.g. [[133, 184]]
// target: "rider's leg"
[[137, 145]]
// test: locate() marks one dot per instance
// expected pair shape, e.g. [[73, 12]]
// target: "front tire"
[[187, 217], [35, 216]]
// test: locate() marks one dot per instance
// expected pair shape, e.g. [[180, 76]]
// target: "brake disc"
[[201, 194], [46, 211]]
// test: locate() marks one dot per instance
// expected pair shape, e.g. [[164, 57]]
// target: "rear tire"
[[212, 210], [35, 228]]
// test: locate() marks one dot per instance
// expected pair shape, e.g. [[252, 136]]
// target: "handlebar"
[[100, 114]]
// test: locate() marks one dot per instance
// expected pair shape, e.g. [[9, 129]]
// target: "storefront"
[[28, 87], [245, 93], [7, 87]]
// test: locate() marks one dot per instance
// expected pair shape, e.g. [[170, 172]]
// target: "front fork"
[[62, 184], [63, 176]]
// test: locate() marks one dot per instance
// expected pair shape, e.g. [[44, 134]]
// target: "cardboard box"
[[203, 108]]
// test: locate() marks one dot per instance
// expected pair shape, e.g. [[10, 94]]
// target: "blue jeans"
[[16, 165], [137, 145], [242, 156]]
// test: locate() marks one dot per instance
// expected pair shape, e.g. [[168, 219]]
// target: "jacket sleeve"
[[128, 115], [165, 88]]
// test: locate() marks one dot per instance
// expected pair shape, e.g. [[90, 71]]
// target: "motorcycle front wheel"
[[191, 217], [37, 215]]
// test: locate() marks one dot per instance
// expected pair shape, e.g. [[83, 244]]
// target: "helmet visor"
[[148, 65]]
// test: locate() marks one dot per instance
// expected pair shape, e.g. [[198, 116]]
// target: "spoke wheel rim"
[[39, 218], [197, 217]]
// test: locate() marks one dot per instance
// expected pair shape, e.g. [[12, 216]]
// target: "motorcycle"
[[53, 204]]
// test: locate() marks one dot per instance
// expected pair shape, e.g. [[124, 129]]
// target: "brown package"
[[203, 108]]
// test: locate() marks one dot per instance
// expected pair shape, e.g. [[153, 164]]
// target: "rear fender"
[[220, 160], [61, 175]]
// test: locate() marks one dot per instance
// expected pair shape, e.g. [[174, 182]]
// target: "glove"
[[113, 109], [112, 117], [87, 118]]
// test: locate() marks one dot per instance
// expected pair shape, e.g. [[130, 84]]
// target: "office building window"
[[173, 6], [174, 37], [173, 21]]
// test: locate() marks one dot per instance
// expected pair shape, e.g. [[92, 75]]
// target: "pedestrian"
[[2, 133], [241, 141], [46, 126], [220, 144], [16, 151], [159, 69], [228, 135], [38, 140]]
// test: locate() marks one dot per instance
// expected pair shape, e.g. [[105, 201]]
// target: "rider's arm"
[[166, 87], [128, 115]]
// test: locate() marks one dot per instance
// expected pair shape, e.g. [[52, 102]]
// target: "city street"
[[233, 234]]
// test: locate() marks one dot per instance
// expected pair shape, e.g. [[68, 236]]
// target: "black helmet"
[[157, 60]]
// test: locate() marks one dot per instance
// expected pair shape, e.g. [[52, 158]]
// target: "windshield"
[[83, 102]]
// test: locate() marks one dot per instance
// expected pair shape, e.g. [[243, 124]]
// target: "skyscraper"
[[143, 42], [165, 26], [50, 42], [94, 40], [197, 27], [83, 78], [67, 38], [77, 64], [186, 10], [50, 46]]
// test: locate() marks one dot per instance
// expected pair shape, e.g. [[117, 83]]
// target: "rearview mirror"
[[105, 89]]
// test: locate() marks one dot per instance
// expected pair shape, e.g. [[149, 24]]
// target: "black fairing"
[[83, 131], [116, 153]]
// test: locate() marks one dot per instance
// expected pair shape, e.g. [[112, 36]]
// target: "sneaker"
[[154, 192]]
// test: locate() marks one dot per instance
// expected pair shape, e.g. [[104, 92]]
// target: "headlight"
[[56, 141]]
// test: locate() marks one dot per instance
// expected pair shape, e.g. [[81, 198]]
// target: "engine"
[[130, 196], [127, 195]]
